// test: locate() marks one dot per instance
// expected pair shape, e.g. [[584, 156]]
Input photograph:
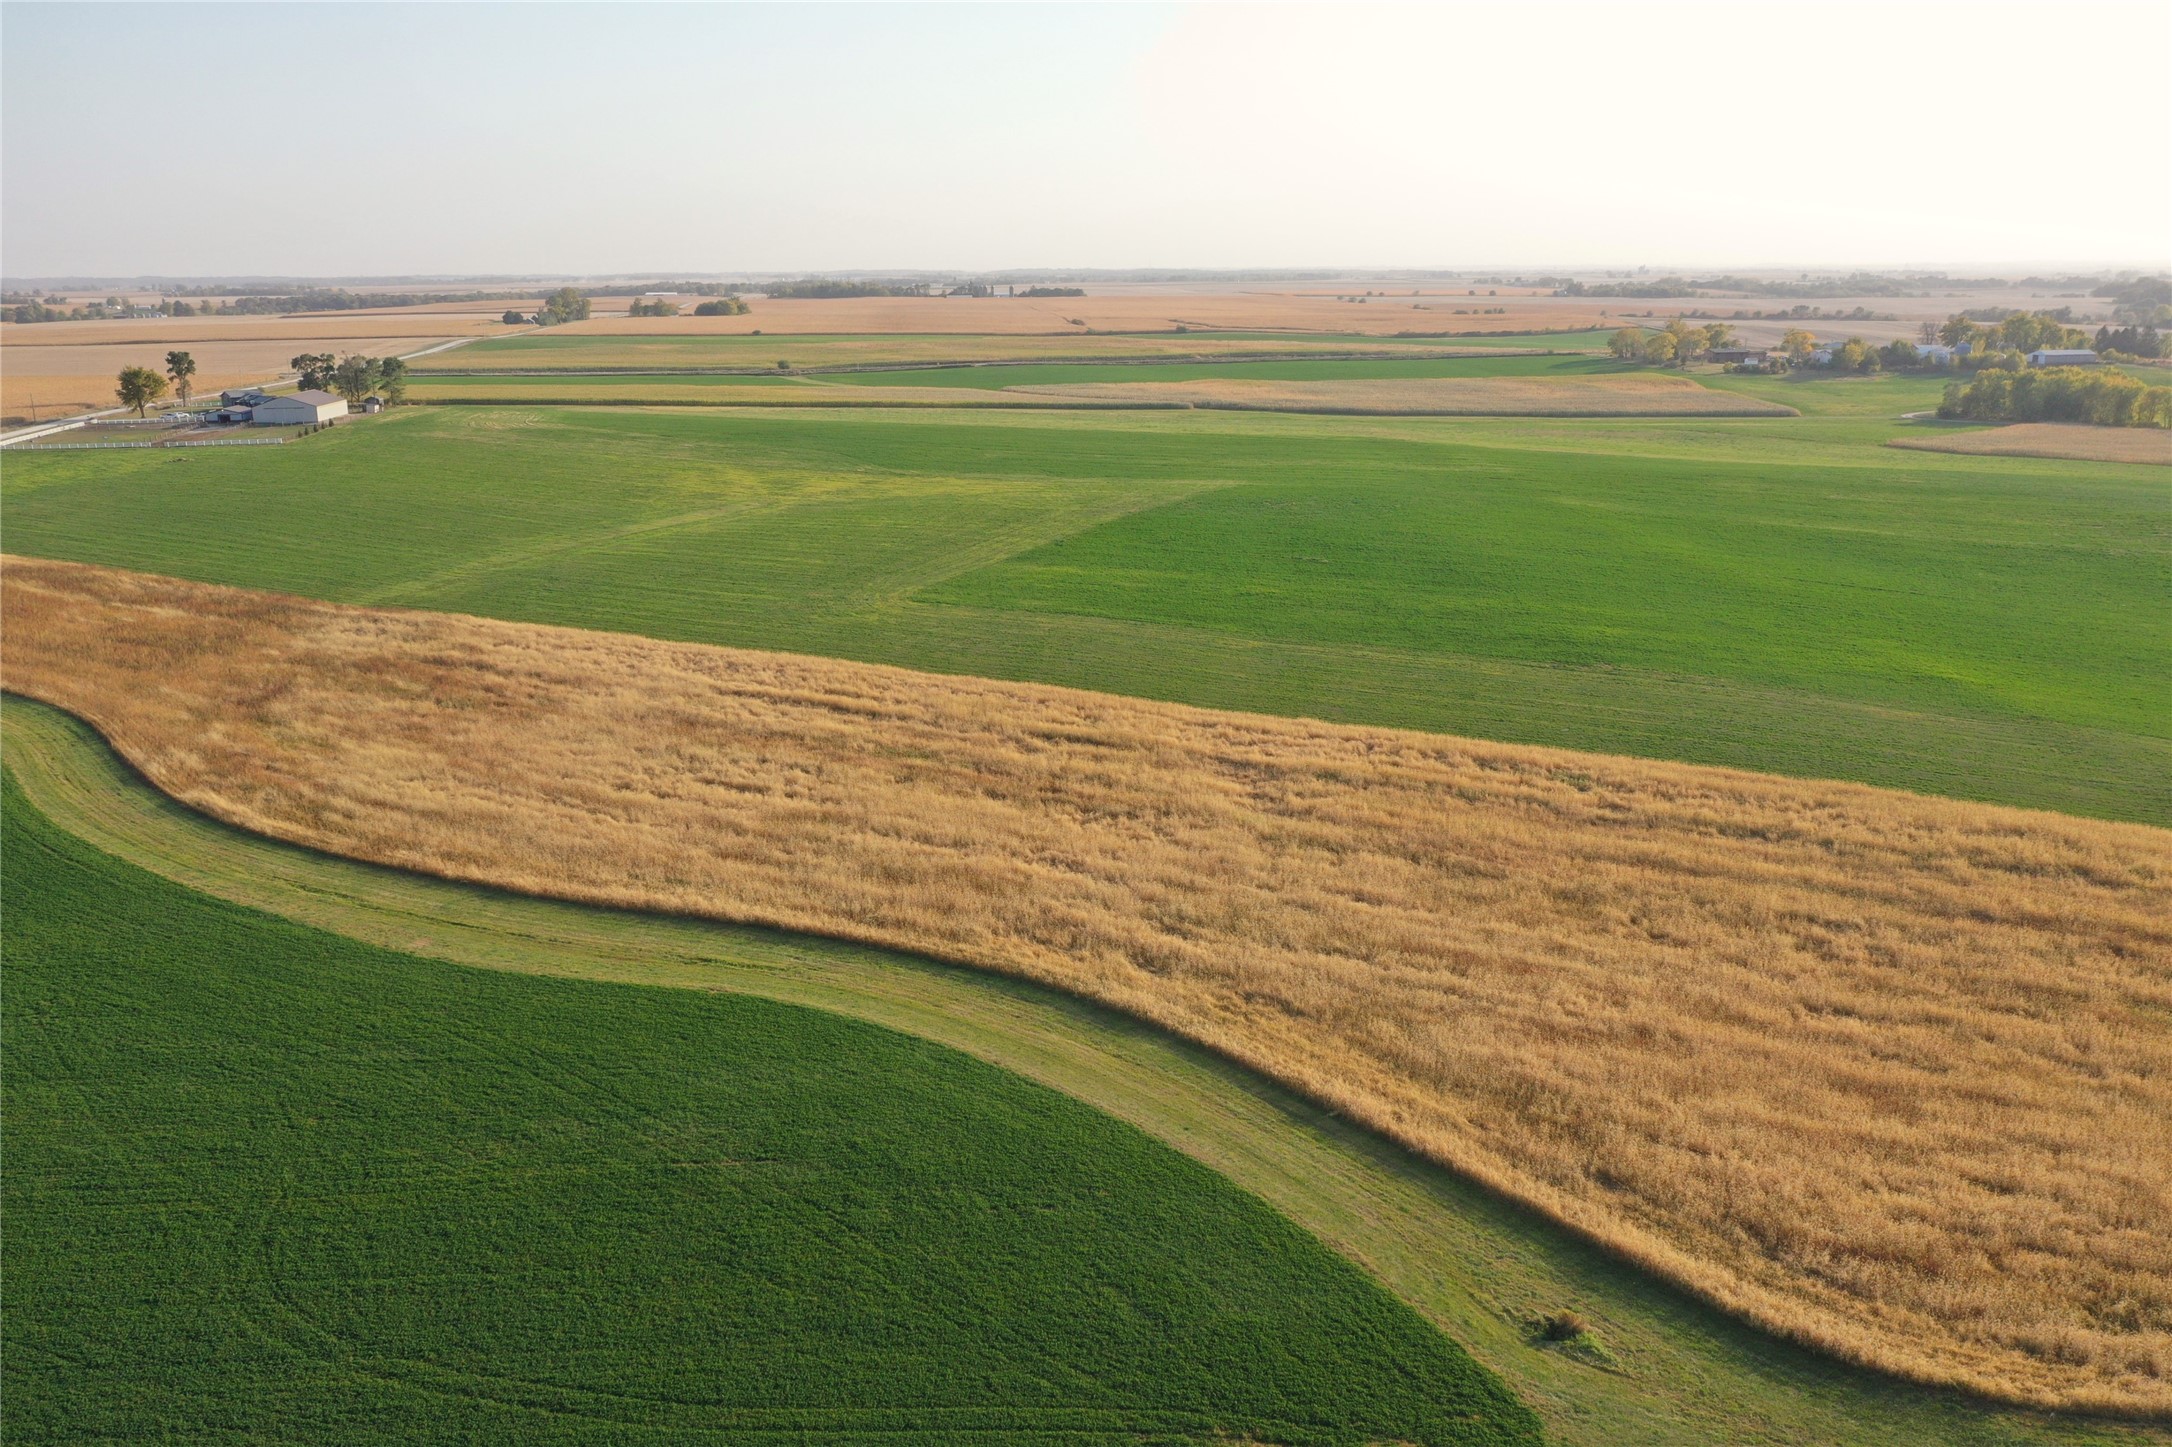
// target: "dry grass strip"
[[1892, 1075], [2052, 439], [1627, 395]]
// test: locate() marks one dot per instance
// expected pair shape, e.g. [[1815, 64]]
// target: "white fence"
[[202, 442]]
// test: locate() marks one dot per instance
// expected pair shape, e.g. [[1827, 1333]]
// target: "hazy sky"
[[324, 139]]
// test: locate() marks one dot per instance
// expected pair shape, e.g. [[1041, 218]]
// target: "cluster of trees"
[[139, 387], [723, 306], [642, 306], [2059, 394], [2143, 341], [353, 377], [1051, 291], [2018, 332], [1677, 344], [567, 304], [1853, 356]]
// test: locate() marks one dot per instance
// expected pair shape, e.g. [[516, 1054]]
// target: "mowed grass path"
[[1668, 1372], [1784, 594], [266, 1183]]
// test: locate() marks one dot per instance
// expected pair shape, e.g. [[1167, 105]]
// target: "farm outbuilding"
[[297, 407], [2063, 357]]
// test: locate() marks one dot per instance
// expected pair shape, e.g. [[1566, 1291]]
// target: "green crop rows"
[[1783, 594], [269, 1184]]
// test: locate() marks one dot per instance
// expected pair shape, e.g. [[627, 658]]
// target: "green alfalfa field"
[[1781, 593]]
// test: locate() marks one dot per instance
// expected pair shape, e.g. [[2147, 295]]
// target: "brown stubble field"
[[1124, 311], [2051, 439], [64, 367], [1889, 1074]]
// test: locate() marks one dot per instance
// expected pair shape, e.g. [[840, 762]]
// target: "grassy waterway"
[[1665, 1370]]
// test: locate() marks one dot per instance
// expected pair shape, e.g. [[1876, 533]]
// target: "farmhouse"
[[1938, 352], [2063, 357], [299, 407]]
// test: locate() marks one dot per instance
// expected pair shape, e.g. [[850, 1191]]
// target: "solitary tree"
[[355, 378], [1627, 344], [392, 380], [139, 388], [182, 368]]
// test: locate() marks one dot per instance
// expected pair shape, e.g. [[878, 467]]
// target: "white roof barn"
[[2063, 357], [296, 407]]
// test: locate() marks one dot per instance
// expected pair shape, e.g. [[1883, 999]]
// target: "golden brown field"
[[1128, 311], [63, 367], [2052, 439], [1889, 1074], [1637, 394]]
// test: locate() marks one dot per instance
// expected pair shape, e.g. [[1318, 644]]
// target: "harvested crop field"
[[1889, 1074], [2052, 439], [577, 349], [54, 368], [1131, 311], [1629, 395]]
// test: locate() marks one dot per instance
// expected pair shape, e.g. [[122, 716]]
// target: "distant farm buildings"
[[2063, 357], [1738, 355], [297, 407]]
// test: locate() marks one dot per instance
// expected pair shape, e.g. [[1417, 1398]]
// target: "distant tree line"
[[2059, 394], [1860, 283], [26, 310], [2140, 301], [331, 299], [824, 289], [1051, 291], [658, 306]]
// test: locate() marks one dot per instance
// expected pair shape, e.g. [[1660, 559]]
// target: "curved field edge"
[[1669, 1369], [343, 1193], [1883, 1074]]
